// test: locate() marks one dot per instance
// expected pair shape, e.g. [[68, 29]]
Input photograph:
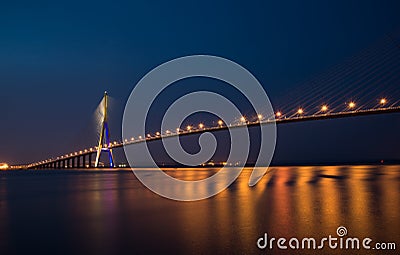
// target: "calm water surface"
[[111, 212]]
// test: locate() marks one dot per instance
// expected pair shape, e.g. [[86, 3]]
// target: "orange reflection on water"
[[106, 212]]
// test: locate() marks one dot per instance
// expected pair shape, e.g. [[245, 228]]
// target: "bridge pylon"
[[104, 135]]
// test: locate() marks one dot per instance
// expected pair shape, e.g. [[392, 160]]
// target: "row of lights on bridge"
[[324, 108], [300, 111], [201, 126]]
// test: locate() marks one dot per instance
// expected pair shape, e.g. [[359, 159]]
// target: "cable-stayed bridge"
[[84, 158], [365, 84]]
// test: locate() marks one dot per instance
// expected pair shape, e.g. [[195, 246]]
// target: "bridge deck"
[[283, 120]]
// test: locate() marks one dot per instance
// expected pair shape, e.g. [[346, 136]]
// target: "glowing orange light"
[[157, 133], [352, 105], [383, 101], [324, 108], [220, 122], [201, 125], [177, 130], [300, 111], [242, 119], [3, 166], [278, 114], [188, 128], [167, 131], [132, 138], [259, 116], [148, 135]]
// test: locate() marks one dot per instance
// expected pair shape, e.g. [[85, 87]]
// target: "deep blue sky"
[[57, 57]]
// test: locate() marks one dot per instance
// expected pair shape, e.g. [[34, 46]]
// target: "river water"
[[111, 212]]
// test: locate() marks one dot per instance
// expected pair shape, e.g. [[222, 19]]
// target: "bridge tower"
[[104, 135]]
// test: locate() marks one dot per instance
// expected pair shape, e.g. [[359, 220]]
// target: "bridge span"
[[83, 158]]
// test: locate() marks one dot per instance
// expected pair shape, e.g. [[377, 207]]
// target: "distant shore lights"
[[4, 166]]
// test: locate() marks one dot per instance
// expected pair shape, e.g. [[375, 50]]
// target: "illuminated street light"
[[352, 105], [201, 125], [140, 137], [132, 138], [177, 130], [259, 116], [188, 128], [300, 111], [220, 123], [148, 135], [157, 133], [278, 114], [382, 101], [167, 132], [324, 108], [242, 119]]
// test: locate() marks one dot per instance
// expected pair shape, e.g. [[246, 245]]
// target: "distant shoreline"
[[216, 166]]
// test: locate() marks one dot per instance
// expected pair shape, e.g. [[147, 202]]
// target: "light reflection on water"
[[98, 212]]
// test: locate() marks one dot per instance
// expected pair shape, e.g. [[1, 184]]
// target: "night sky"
[[58, 57]]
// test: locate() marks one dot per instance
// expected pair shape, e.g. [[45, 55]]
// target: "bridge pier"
[[84, 161]]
